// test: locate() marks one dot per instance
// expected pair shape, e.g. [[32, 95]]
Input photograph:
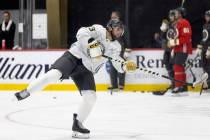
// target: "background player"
[[118, 79], [203, 49], [168, 32], [80, 62], [182, 47]]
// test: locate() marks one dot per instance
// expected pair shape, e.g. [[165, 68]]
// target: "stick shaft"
[[149, 71]]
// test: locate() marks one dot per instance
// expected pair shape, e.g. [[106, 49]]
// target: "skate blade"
[[79, 135], [181, 94]]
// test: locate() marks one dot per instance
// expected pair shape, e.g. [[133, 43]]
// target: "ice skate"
[[79, 131], [180, 91], [113, 89]]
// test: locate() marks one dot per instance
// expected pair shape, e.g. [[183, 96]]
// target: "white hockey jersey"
[[110, 48]]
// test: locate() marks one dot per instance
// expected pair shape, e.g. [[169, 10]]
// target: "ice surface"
[[122, 116]]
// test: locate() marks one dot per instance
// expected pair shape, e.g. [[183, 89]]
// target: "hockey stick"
[[182, 4], [193, 75], [204, 77], [189, 66], [149, 71], [201, 89]]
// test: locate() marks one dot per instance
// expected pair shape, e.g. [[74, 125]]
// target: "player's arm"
[[164, 25], [115, 48], [124, 66], [208, 45], [185, 34], [85, 33], [86, 37], [94, 48], [121, 66]]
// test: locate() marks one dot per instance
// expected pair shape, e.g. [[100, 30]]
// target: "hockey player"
[[182, 47], [203, 49], [168, 32], [81, 62], [118, 79]]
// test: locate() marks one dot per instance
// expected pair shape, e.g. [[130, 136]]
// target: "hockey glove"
[[198, 50], [130, 66], [164, 25], [172, 43], [94, 49], [208, 53], [127, 53]]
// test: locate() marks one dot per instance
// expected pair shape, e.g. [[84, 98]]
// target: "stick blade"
[[203, 78], [158, 92]]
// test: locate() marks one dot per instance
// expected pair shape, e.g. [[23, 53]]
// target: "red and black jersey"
[[184, 35]]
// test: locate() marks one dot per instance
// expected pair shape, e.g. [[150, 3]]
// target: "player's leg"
[[179, 72], [113, 77], [60, 69], [169, 65], [121, 80], [50, 77], [86, 84]]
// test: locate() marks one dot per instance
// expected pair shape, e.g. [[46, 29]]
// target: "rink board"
[[18, 68]]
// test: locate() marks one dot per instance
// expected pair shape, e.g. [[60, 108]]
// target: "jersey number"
[[186, 30], [92, 28]]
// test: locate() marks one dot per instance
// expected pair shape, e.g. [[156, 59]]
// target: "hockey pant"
[[179, 68]]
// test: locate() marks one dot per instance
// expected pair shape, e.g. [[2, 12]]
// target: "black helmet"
[[207, 13], [182, 11], [115, 23]]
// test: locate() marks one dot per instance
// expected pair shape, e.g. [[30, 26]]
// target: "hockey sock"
[[179, 74], [51, 76], [89, 99]]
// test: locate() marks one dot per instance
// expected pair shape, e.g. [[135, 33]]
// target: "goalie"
[[81, 62]]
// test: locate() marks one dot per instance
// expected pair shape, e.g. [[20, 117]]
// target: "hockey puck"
[[54, 97]]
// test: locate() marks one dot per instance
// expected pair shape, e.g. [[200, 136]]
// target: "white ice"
[[122, 116]]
